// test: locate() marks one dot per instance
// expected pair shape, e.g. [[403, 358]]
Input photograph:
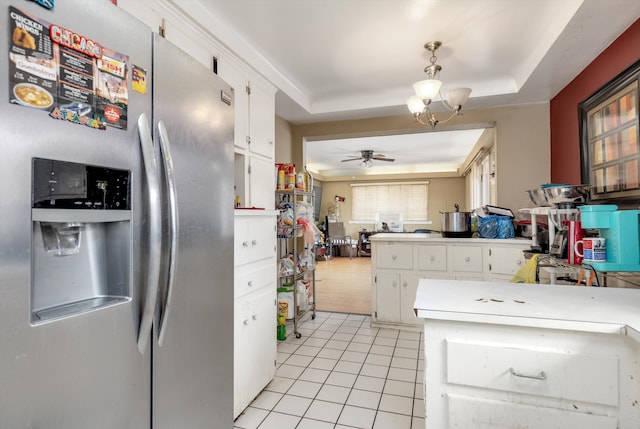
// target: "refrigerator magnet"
[[139, 79]]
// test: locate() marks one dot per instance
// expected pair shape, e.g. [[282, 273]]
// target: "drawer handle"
[[541, 376], [467, 259], [250, 283], [254, 317], [245, 244], [394, 284], [394, 257], [432, 258], [254, 242], [246, 322]]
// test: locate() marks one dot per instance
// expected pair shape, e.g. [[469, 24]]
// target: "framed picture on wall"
[[610, 139]]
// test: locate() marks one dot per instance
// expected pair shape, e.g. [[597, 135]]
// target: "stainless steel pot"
[[456, 224]]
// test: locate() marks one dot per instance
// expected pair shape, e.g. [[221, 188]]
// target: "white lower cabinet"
[[485, 376], [396, 293], [399, 261], [503, 261], [254, 348], [255, 312]]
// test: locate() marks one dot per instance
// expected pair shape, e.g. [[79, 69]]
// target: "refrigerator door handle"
[[155, 231], [173, 226]]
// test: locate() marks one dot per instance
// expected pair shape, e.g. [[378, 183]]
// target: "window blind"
[[408, 198]]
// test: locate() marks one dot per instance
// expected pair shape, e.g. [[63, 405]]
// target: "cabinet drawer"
[[394, 256], [254, 240], [432, 258], [466, 259], [478, 413], [252, 278], [555, 374]]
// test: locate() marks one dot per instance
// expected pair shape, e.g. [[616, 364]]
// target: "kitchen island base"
[[509, 356]]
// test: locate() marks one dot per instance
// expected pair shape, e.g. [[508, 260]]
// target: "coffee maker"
[[621, 229]]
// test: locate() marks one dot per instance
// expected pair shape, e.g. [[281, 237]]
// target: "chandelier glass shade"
[[429, 90]]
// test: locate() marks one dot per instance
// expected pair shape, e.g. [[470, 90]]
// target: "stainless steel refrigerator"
[[116, 225]]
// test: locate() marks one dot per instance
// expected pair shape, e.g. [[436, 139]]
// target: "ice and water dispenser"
[[81, 238]]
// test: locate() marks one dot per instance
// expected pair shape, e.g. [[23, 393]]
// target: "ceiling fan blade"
[[351, 159], [378, 158]]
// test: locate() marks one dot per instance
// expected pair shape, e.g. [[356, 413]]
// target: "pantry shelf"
[[296, 255]]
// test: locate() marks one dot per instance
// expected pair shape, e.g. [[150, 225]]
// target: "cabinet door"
[[236, 77], [505, 259], [394, 256], [262, 122], [408, 289], [262, 341], [255, 322], [388, 297], [262, 183], [241, 354], [262, 233]]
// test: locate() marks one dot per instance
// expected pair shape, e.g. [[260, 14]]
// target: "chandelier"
[[427, 90]]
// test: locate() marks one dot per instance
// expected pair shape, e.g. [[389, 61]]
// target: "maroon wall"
[[565, 141]]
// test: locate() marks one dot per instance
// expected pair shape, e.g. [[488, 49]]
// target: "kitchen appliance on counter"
[[559, 204], [115, 181], [621, 230], [456, 224]]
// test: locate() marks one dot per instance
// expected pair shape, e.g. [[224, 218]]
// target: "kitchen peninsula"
[[400, 260], [505, 355]]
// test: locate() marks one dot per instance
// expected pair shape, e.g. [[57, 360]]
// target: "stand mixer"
[[559, 203]]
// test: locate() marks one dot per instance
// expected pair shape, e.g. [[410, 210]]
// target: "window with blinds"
[[408, 198]]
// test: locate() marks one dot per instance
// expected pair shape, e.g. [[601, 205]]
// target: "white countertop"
[[601, 309], [436, 237]]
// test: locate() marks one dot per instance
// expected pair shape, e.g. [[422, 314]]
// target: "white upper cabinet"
[[236, 77], [262, 120]]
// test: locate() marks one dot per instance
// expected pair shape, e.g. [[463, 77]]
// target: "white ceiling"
[[347, 59]]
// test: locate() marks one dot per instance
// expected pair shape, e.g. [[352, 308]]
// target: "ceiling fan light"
[[457, 96], [427, 89], [415, 104]]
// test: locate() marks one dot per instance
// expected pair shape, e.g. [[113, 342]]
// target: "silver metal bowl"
[[538, 197], [569, 194]]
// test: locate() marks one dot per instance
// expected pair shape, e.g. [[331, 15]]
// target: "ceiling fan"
[[367, 157]]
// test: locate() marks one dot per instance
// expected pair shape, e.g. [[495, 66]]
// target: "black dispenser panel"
[[69, 185]]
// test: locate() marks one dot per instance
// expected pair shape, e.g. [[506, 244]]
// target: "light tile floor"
[[342, 373]]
